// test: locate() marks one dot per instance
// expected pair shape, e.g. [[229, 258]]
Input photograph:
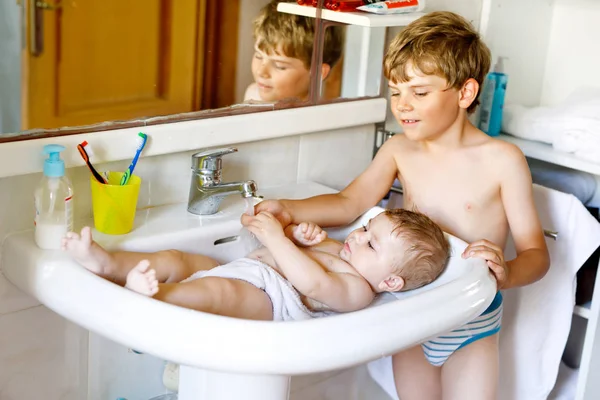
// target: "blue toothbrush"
[[142, 139]]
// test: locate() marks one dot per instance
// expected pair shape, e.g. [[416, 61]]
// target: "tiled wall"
[[43, 356]]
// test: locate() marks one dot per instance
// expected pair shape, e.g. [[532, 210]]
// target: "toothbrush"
[[85, 154], [142, 139]]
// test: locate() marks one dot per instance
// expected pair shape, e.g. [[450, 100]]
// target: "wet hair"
[[443, 44], [426, 249], [293, 35]]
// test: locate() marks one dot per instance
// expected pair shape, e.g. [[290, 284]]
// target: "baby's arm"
[[340, 292], [532, 260], [306, 234]]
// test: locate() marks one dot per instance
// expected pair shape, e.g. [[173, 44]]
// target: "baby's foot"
[[143, 280], [86, 252]]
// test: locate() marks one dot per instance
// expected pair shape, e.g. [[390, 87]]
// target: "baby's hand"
[[493, 255], [264, 226], [309, 234]]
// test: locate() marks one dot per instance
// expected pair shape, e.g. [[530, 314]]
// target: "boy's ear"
[[325, 69], [392, 283], [468, 93]]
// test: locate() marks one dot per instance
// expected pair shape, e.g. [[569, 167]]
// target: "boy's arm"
[[532, 261], [341, 292], [343, 207]]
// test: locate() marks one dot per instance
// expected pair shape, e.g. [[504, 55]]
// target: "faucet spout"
[[206, 199], [206, 189]]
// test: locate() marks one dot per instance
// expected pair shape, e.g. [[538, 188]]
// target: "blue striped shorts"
[[439, 349]]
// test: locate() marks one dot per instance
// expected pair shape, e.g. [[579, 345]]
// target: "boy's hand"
[[264, 226], [493, 255], [309, 234], [277, 209]]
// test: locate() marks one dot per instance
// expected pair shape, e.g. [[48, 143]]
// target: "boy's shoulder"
[[500, 158], [502, 151], [252, 92], [399, 143]]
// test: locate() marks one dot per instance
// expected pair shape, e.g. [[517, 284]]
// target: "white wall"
[[573, 58], [520, 30], [38, 346]]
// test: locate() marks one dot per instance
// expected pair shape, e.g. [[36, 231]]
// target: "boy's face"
[[279, 77], [424, 106], [373, 251]]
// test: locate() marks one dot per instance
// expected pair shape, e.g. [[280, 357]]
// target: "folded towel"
[[529, 123], [572, 126], [579, 135]]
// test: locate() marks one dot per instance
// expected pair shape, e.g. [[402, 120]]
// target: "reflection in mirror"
[[75, 63], [283, 53], [364, 49]]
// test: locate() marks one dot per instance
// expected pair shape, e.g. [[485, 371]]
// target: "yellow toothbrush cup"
[[114, 205]]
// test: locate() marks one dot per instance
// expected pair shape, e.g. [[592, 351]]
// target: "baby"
[[283, 54], [298, 274]]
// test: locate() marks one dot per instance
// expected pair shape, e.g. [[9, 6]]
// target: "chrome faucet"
[[206, 189]]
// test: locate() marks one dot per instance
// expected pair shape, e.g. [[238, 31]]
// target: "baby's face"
[[373, 250], [279, 77]]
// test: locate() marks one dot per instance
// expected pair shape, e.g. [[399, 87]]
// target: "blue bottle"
[[492, 100]]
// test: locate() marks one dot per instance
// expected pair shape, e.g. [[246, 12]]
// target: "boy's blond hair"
[[440, 43], [293, 35], [427, 250]]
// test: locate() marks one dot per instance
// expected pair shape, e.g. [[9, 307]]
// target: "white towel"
[[529, 123], [579, 135], [572, 126], [537, 317]]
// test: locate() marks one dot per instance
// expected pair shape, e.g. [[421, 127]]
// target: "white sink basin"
[[270, 351]]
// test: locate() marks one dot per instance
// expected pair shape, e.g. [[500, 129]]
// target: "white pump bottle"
[[53, 201]]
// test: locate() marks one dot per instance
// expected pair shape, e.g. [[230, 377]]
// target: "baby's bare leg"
[[170, 265], [221, 296]]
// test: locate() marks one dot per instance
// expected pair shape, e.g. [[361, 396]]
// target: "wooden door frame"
[[217, 55]]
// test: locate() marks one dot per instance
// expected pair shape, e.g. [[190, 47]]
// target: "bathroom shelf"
[[545, 152], [351, 18], [583, 310]]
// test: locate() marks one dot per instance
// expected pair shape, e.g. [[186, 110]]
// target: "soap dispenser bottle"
[[492, 99], [53, 201]]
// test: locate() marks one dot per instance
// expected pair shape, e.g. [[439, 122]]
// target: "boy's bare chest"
[[458, 197]]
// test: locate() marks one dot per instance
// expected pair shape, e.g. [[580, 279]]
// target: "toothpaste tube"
[[347, 5], [394, 7]]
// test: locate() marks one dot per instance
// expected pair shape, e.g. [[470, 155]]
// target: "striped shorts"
[[439, 349]]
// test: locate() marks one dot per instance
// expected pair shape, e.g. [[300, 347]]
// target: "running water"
[[249, 206], [248, 240]]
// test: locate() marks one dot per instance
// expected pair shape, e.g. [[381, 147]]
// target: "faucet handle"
[[210, 159]]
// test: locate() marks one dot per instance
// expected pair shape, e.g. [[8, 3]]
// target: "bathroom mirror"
[[76, 66]]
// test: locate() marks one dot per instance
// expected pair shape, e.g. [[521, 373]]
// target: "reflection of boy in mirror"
[[283, 52]]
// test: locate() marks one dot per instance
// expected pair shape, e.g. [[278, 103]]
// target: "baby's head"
[[397, 250], [435, 67], [283, 53]]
